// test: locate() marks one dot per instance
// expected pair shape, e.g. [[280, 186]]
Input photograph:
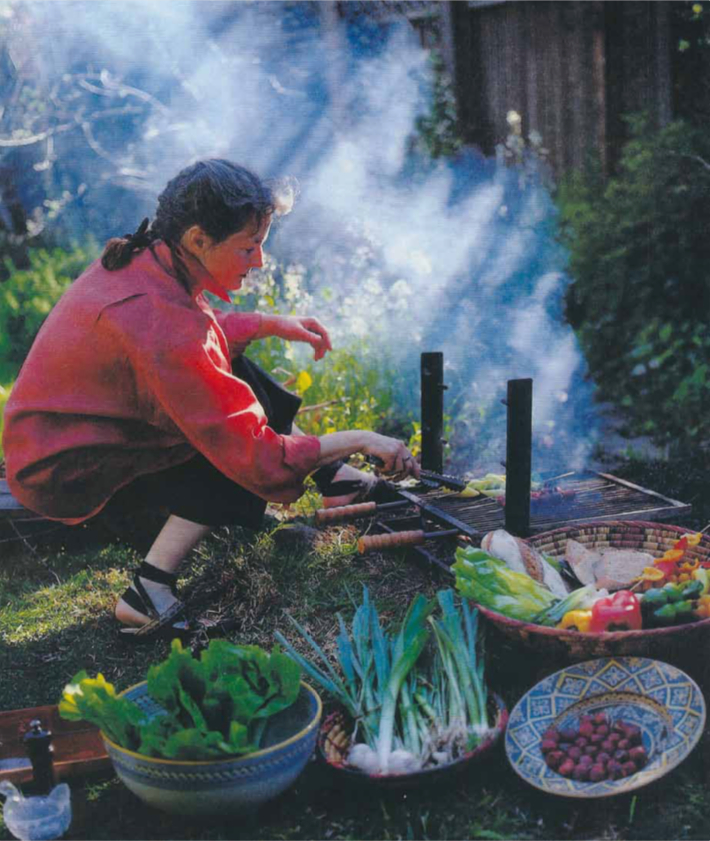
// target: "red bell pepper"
[[620, 612], [668, 568], [681, 544]]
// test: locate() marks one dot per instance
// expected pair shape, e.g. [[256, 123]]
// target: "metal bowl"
[[662, 700], [226, 786]]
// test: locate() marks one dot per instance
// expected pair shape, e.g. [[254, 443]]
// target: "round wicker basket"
[[571, 646], [335, 739]]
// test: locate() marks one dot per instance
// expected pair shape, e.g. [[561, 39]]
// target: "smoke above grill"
[[456, 255]]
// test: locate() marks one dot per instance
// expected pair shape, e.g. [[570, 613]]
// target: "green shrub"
[[27, 296], [639, 248], [351, 388]]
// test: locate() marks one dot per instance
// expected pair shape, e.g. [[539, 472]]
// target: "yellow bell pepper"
[[702, 608], [689, 566], [672, 555], [702, 575], [650, 577], [576, 619], [693, 539]]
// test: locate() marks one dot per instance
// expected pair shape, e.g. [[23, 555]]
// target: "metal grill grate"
[[597, 496]]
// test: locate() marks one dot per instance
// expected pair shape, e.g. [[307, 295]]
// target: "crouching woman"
[[136, 392]]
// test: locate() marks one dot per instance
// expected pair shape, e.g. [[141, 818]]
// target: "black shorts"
[[196, 490]]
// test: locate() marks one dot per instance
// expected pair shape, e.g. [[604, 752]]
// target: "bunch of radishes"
[[598, 749]]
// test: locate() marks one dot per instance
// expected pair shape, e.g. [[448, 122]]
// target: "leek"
[[578, 599], [409, 645], [417, 696]]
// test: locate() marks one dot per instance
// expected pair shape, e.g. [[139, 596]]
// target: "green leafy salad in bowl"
[[218, 734], [210, 707]]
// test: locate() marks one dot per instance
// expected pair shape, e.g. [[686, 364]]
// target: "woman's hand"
[[398, 462], [297, 328]]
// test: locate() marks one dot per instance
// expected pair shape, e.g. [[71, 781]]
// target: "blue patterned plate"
[[662, 700]]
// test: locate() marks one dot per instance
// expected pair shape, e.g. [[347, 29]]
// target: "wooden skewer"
[[400, 538], [355, 511]]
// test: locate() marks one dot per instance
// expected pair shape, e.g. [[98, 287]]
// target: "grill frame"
[[438, 509]]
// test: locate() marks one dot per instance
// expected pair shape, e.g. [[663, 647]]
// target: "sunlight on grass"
[[54, 608]]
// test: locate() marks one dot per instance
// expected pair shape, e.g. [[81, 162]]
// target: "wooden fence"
[[571, 69]]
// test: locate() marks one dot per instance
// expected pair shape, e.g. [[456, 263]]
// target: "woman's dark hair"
[[219, 196]]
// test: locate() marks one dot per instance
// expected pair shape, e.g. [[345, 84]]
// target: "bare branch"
[[15, 142], [126, 90], [697, 158]]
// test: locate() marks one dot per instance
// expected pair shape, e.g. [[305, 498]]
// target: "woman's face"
[[231, 260]]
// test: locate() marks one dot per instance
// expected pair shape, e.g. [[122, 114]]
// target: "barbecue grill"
[[432, 517]]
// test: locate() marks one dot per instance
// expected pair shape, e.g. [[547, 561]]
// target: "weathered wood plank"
[[571, 69], [10, 507]]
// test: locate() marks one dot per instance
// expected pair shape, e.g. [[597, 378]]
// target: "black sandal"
[[163, 625]]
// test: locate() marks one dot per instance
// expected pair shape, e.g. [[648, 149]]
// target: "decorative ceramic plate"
[[662, 700]]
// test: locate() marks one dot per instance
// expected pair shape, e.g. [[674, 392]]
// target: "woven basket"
[[334, 743], [572, 646]]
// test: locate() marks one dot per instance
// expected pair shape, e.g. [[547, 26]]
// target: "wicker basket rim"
[[340, 714], [605, 636]]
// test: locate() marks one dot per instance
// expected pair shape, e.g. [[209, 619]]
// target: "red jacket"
[[131, 374]]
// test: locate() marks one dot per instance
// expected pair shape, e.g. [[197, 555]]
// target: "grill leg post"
[[432, 387], [518, 457]]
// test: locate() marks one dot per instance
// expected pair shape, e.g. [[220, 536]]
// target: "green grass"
[[55, 619]]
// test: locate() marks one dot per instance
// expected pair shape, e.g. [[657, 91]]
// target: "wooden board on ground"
[[78, 747], [10, 507]]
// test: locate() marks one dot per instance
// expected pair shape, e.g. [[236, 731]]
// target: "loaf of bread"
[[521, 557]]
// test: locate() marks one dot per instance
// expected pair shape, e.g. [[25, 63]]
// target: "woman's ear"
[[195, 241]]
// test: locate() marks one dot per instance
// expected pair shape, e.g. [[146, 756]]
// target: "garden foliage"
[[27, 296], [640, 298], [355, 386]]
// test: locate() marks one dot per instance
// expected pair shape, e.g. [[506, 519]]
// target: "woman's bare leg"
[[176, 539]]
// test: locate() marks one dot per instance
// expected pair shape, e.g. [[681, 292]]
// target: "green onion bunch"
[[416, 693]]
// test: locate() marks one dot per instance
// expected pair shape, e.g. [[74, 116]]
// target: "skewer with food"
[[542, 494]]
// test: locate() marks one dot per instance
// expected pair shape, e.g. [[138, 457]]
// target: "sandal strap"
[[137, 602], [161, 622], [158, 576]]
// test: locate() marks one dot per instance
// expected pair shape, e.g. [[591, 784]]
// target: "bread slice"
[[619, 567], [611, 569], [583, 561]]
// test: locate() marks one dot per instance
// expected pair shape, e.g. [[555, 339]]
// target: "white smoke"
[[460, 258]]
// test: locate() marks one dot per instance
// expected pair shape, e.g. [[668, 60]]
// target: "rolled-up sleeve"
[[181, 363], [240, 328]]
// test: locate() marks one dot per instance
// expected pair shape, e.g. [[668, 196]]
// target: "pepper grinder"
[[38, 744]]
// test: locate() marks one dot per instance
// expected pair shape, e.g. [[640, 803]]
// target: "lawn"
[[55, 619]]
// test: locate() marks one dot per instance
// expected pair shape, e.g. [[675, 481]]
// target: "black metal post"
[[432, 384], [518, 457]]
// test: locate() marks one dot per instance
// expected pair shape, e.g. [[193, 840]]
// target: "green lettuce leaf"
[[215, 706], [95, 700]]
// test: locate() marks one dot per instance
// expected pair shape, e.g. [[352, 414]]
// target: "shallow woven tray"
[[571, 646], [335, 737]]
